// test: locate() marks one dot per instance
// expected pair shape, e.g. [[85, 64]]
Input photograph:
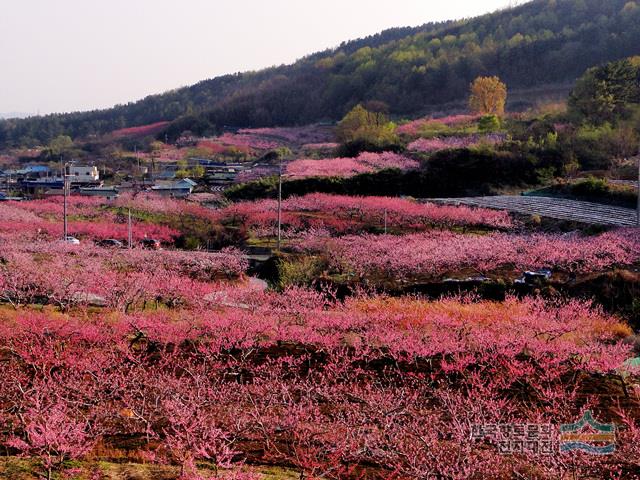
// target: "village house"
[[83, 174], [178, 189]]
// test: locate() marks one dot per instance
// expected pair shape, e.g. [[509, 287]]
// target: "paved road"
[[559, 208]]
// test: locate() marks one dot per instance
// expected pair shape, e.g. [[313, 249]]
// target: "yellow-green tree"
[[197, 171], [60, 145], [361, 124], [488, 96]]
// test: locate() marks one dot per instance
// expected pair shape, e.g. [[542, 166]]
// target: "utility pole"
[[638, 213], [64, 203], [279, 204], [385, 221], [130, 232]]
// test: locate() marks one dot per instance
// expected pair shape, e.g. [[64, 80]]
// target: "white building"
[[83, 174]]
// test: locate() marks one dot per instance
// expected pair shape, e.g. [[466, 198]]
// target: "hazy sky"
[[65, 55]]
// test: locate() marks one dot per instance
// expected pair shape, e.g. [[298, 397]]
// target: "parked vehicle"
[[110, 243], [71, 240], [150, 244]]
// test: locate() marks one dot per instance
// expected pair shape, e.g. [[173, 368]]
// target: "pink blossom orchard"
[[429, 145], [320, 147], [88, 217], [414, 127], [340, 214], [295, 379], [434, 254], [67, 276], [176, 358], [152, 203], [140, 131], [330, 167], [347, 167], [293, 135], [247, 141]]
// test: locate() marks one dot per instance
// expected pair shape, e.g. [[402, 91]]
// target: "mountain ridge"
[[542, 42]]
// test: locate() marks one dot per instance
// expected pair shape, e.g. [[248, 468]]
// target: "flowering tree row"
[[434, 254], [52, 206], [43, 219], [67, 276], [152, 203], [114, 227], [140, 131], [399, 210], [339, 214], [247, 141], [319, 147], [347, 167], [429, 145], [414, 128], [98, 218], [393, 386]]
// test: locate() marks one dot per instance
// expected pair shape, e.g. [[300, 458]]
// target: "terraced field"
[[559, 208]]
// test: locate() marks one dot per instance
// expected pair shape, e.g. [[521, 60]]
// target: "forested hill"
[[541, 42]]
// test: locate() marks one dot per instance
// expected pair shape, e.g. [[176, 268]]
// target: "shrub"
[[591, 186], [600, 190], [489, 123], [299, 271]]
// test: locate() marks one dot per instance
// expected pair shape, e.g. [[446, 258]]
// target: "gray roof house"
[[178, 189]]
